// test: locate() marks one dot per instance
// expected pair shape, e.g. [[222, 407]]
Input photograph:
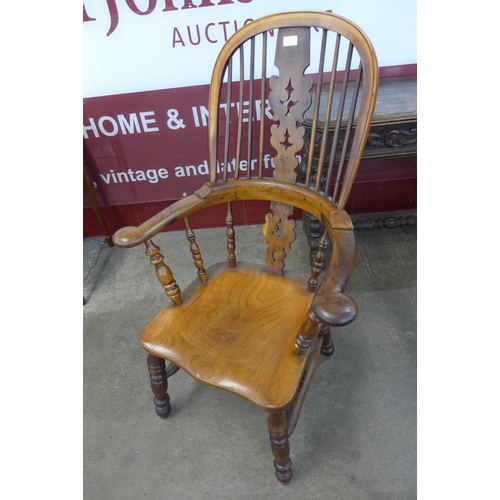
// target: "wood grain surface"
[[237, 332]]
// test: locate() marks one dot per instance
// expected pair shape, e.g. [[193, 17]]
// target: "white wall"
[[145, 52]]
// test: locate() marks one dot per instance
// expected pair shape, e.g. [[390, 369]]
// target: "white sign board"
[[141, 45]]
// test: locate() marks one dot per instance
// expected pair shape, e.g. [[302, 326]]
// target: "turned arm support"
[[131, 236], [330, 305], [212, 194]]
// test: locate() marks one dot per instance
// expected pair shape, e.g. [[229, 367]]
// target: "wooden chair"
[[256, 330]]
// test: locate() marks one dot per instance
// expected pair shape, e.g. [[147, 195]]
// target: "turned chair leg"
[[327, 348], [278, 433], [159, 384]]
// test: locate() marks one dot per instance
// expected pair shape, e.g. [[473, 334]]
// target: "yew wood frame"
[[338, 24], [329, 306]]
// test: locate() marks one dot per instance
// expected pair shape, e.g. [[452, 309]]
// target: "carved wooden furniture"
[[393, 133], [256, 330]]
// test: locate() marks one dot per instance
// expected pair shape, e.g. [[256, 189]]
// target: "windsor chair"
[[257, 330]]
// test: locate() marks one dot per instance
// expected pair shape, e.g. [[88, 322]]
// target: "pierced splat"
[[279, 233], [289, 99], [286, 143]]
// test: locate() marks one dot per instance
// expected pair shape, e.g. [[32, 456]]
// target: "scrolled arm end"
[[131, 236], [335, 309], [330, 305], [125, 237]]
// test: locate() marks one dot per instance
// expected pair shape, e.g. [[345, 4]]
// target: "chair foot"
[[278, 433], [327, 348], [159, 385]]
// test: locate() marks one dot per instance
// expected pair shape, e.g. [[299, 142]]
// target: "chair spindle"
[[163, 273], [240, 113], [262, 102], [338, 121], [348, 131], [230, 239], [307, 333], [318, 261], [229, 70], [316, 108], [250, 108], [331, 88], [195, 252]]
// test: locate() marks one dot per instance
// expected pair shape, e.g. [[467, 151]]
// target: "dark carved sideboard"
[[393, 134]]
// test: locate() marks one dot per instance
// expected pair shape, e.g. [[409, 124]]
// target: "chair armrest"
[[330, 305], [233, 190], [131, 236]]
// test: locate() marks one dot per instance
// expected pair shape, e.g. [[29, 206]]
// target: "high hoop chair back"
[[257, 330]]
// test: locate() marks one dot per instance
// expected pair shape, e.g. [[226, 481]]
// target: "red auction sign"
[[152, 146]]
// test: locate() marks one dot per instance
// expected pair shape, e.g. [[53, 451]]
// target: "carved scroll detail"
[[388, 223], [279, 233], [394, 138], [289, 99]]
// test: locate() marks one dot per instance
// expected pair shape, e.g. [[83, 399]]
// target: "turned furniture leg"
[[278, 433], [327, 349], [159, 384]]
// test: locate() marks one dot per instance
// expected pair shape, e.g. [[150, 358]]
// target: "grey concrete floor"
[[356, 437]]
